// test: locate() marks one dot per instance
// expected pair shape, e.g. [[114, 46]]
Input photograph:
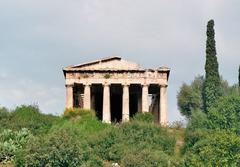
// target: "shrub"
[[78, 112], [60, 148], [220, 148], [30, 117], [145, 135], [225, 114], [198, 120], [4, 118], [11, 142], [143, 117], [146, 158], [115, 142], [105, 144], [192, 137]]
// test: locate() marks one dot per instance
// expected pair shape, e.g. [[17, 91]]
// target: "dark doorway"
[[97, 99], [133, 104], [154, 105], [116, 102], [78, 91], [135, 92]]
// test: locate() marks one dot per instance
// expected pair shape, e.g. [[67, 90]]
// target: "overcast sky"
[[38, 38]]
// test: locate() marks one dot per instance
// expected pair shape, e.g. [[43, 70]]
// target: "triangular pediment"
[[111, 63]]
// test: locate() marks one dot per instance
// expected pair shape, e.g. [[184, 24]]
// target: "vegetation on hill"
[[79, 139], [212, 136]]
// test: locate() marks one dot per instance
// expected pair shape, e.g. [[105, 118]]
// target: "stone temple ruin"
[[117, 89]]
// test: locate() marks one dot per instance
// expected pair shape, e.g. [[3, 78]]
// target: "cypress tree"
[[239, 80], [212, 83], [239, 77]]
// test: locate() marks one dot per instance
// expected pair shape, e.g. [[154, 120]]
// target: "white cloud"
[[20, 91]]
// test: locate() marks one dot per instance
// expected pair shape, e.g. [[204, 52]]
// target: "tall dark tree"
[[239, 77], [212, 84]]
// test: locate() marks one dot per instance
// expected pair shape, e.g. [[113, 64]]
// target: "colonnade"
[[106, 115]]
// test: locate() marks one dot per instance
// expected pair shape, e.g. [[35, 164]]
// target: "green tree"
[[211, 88], [189, 98], [239, 76], [239, 79]]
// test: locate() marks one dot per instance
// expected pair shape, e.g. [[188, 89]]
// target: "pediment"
[[111, 63]]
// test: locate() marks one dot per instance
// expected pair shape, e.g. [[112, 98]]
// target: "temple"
[[116, 89]]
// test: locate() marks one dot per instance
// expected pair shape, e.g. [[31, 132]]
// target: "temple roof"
[[111, 63], [108, 64]]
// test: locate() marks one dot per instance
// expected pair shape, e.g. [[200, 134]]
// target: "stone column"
[[125, 103], [87, 97], [145, 107], [69, 96], [163, 105], [106, 104]]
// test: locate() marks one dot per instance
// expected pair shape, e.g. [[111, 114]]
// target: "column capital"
[[69, 85], [106, 84], [87, 84], [143, 85], [163, 85], [125, 85]]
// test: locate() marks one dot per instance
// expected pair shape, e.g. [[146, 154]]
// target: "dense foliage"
[[217, 148], [212, 139], [79, 139], [225, 114], [212, 89], [11, 142], [28, 117], [88, 142], [190, 97]]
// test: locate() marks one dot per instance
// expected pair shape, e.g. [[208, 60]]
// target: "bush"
[[11, 142], [106, 145], [4, 118], [30, 117], [146, 158], [198, 120], [192, 137], [78, 112], [220, 148], [143, 117], [114, 143], [60, 148], [147, 135], [225, 114]]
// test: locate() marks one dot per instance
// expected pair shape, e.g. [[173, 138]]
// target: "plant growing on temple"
[[211, 88], [107, 76]]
